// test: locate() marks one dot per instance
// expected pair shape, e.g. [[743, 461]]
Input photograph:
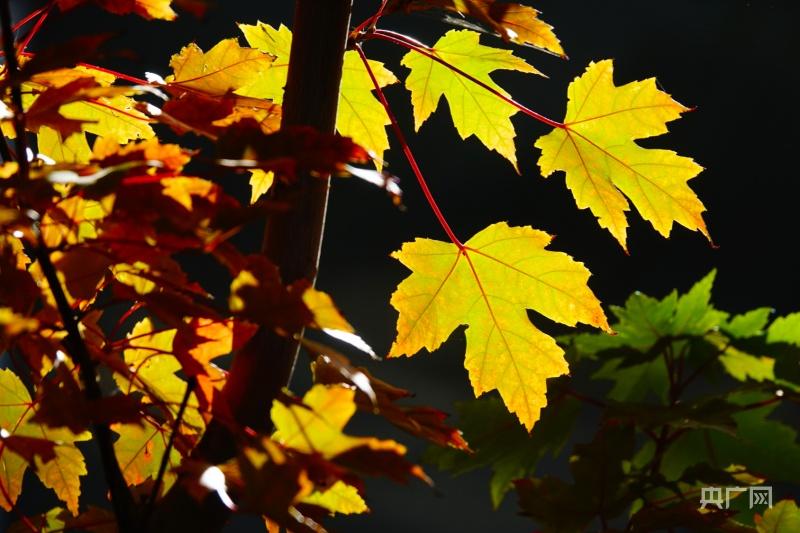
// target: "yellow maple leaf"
[[149, 9], [339, 498], [113, 116], [153, 365], [62, 473], [513, 22], [139, 450], [277, 42], [475, 110], [326, 314], [73, 149], [260, 182], [74, 220], [316, 426], [226, 67], [604, 165], [154, 9], [183, 188], [328, 318], [487, 286], [360, 115]]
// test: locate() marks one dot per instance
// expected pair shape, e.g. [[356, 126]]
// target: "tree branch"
[[292, 239], [12, 68], [121, 499]]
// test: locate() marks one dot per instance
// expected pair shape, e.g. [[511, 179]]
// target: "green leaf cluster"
[[689, 396]]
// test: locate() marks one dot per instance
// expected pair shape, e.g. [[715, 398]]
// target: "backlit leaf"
[[139, 450], [149, 9], [501, 272], [317, 424], [14, 407], [62, 473], [72, 149], [260, 182], [277, 43], [153, 369], [475, 111], [785, 329], [604, 165], [225, 68], [107, 112], [339, 498], [783, 518], [360, 115], [749, 324], [513, 22], [378, 397]]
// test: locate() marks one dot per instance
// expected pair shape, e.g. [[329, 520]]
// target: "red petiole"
[[407, 151], [408, 43]]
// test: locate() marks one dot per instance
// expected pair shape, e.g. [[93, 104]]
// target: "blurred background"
[[734, 60]]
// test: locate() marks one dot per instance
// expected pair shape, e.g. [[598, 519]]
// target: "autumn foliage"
[[105, 337]]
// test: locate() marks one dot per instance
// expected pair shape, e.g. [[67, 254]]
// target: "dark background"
[[734, 60]]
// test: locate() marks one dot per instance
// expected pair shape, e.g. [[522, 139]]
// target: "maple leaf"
[[474, 110], [360, 115], [276, 42], [149, 9], [112, 115], [378, 397], [338, 498], [62, 473], [290, 151], [225, 68], [72, 149], [501, 272], [327, 317], [44, 110], [260, 183], [316, 425], [153, 369], [784, 517], [62, 403], [139, 450], [513, 22], [210, 115], [603, 164], [108, 153], [104, 110]]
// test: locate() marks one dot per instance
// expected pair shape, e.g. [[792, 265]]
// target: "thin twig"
[[121, 499], [35, 29], [370, 22], [12, 68], [162, 468]]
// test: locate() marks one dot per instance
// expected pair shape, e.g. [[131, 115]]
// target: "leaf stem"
[[407, 151], [162, 468], [12, 68], [32, 15], [405, 42], [120, 75], [35, 29]]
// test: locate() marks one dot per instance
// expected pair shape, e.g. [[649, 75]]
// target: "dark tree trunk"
[[292, 241]]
